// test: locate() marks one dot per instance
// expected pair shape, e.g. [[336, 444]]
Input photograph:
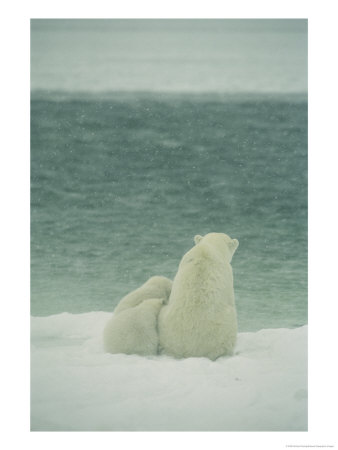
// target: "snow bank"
[[76, 386]]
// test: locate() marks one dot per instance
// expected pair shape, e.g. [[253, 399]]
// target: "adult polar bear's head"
[[220, 242]]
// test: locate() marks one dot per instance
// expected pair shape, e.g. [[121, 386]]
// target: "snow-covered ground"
[[76, 386]]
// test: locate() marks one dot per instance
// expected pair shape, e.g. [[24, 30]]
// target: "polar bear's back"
[[200, 318], [155, 287], [134, 330], [202, 281], [202, 330]]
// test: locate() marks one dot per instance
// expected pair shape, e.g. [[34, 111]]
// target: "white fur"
[[155, 287], [134, 330], [200, 318], [133, 327]]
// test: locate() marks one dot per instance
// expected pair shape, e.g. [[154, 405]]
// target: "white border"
[[15, 220]]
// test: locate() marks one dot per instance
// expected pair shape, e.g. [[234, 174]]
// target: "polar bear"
[[134, 330], [133, 326], [200, 318], [155, 287]]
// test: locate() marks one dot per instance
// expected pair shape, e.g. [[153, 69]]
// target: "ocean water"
[[121, 183]]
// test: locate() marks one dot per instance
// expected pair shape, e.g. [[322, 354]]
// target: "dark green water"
[[120, 184]]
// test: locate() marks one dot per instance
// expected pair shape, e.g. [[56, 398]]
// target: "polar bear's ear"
[[233, 244], [197, 238]]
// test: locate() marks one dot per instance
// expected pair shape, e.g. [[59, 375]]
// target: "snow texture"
[[76, 386]]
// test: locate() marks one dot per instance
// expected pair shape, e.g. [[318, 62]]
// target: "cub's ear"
[[197, 238], [233, 244]]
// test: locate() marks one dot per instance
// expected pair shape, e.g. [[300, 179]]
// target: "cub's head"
[[161, 286], [222, 243]]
